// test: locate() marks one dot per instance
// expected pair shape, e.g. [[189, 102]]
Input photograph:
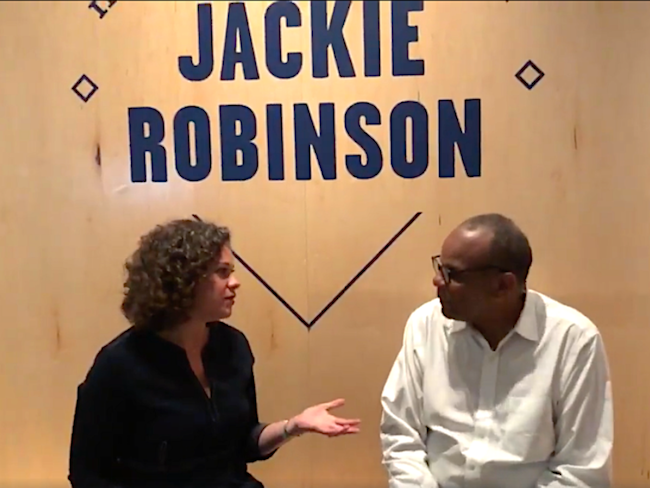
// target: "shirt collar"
[[154, 342], [526, 325]]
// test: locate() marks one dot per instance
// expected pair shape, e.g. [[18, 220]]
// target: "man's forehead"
[[466, 247]]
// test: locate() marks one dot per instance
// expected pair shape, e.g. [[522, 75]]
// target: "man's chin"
[[446, 311]]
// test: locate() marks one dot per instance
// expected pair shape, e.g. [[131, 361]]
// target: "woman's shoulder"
[[224, 331], [113, 356], [229, 340], [118, 346]]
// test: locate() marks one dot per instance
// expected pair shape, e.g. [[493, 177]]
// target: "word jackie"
[[95, 5], [315, 129]]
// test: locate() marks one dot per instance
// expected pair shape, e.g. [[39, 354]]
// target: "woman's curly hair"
[[163, 272]]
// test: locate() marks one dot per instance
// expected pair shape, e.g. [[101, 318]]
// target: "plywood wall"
[[567, 158]]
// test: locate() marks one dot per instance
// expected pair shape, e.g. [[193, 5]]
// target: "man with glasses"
[[496, 385]]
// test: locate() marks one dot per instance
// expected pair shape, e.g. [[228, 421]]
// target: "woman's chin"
[[226, 310]]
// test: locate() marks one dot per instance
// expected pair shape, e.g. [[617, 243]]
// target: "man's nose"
[[438, 281]]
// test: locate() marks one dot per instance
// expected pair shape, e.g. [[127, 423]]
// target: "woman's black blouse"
[[143, 420]]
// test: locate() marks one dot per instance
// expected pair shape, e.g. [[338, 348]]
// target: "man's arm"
[[584, 426], [403, 433]]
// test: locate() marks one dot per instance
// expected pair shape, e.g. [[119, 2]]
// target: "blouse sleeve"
[[253, 453], [97, 425]]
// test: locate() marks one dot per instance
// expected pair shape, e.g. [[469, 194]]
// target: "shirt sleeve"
[[584, 426], [252, 448], [403, 433], [97, 425]]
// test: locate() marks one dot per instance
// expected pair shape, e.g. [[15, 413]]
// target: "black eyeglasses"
[[449, 274]]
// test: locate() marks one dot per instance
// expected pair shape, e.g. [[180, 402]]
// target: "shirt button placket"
[[480, 447]]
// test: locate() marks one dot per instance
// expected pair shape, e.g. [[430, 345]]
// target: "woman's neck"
[[191, 335]]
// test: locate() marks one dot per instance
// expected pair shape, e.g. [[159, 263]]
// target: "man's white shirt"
[[535, 413]]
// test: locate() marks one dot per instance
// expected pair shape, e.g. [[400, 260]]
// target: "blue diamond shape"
[[539, 74], [87, 85]]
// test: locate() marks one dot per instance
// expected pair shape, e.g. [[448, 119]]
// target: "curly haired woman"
[[171, 401]]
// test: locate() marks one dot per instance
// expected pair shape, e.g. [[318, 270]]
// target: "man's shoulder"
[[565, 319], [426, 311], [426, 317]]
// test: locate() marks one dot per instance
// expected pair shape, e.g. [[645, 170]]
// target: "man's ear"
[[506, 282]]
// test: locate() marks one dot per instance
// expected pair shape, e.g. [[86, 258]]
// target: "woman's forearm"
[[277, 434], [313, 419]]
